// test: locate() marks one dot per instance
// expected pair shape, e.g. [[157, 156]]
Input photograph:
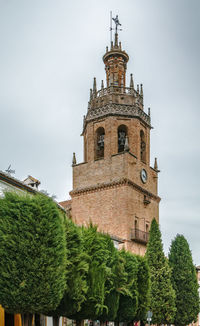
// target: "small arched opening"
[[142, 146], [99, 143], [122, 133]]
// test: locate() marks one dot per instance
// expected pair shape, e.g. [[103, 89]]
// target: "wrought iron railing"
[[139, 236]]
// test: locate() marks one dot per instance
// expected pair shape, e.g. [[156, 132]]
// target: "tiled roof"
[[66, 204], [32, 179]]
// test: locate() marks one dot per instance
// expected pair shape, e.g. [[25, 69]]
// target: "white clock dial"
[[143, 175]]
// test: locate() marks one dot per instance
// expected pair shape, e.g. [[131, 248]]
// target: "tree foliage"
[[184, 281], [99, 248], [32, 254], [143, 284], [128, 302], [162, 294], [57, 268], [111, 300], [115, 285], [76, 273]]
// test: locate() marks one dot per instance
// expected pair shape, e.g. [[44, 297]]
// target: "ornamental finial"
[[141, 90], [156, 164], [90, 94], [131, 81], [94, 87], [74, 159]]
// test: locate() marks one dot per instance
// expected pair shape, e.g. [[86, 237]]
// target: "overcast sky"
[[49, 53]]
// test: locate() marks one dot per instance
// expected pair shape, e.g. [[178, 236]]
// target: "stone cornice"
[[113, 184], [116, 52]]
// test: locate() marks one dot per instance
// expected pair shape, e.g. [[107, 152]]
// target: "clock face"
[[143, 175]]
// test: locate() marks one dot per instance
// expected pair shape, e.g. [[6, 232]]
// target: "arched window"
[[122, 133], [99, 146], [142, 146]]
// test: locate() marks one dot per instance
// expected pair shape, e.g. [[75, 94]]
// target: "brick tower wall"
[[114, 209]]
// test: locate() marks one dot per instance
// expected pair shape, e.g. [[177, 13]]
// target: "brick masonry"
[[109, 191]]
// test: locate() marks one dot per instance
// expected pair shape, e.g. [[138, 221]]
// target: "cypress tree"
[[32, 254], [76, 274], [115, 284], [99, 274], [184, 281], [128, 302], [143, 284], [162, 294]]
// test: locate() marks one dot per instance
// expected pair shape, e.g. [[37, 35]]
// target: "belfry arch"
[[122, 133], [99, 143], [142, 146]]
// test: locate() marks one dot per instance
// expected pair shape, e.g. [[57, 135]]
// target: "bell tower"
[[115, 187]]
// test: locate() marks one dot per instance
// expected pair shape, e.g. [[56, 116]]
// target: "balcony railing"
[[117, 89], [139, 236]]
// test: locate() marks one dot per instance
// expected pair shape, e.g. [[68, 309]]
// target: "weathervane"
[[9, 170], [117, 23]]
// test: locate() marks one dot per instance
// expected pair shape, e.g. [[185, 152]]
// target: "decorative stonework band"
[[118, 109], [113, 184]]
